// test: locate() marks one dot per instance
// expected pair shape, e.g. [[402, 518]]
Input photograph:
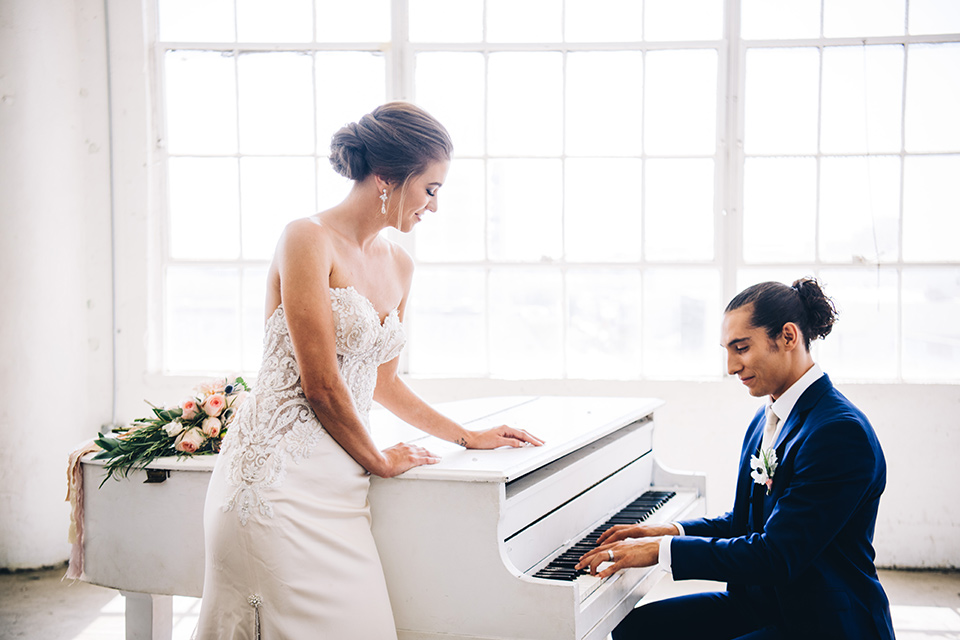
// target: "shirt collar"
[[785, 403]]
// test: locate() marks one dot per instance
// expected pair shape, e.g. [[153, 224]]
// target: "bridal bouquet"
[[195, 427]]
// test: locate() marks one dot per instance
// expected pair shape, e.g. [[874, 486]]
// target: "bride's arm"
[[303, 261], [394, 394]]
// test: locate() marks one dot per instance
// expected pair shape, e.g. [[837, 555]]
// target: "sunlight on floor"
[[911, 623], [926, 623], [109, 625]]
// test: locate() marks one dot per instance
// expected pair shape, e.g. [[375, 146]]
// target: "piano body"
[[478, 546]]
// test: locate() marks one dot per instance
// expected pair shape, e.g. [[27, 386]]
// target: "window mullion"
[[730, 226]]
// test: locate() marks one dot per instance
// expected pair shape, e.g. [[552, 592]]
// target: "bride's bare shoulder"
[[305, 234]]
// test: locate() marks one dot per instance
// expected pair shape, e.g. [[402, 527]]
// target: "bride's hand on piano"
[[624, 531], [643, 552], [403, 457], [502, 436]]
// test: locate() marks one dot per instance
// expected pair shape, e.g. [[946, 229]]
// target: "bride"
[[289, 551]]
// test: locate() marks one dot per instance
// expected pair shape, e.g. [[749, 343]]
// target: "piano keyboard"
[[562, 567]]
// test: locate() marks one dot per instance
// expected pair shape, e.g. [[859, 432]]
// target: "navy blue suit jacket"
[[808, 552]]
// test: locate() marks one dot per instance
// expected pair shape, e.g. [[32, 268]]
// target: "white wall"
[[56, 329], [54, 263]]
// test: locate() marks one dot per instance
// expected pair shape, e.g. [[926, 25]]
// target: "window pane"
[[603, 94], [276, 103], [204, 208], [859, 18], [451, 87], [456, 231], [332, 188], [604, 21], [931, 208], [365, 75], [862, 98], [448, 332], [859, 208], [196, 20], [933, 98], [679, 209], [525, 103], [681, 323], [445, 21], [201, 107], [931, 335], [603, 209], [253, 290], [202, 320], [354, 21], [603, 313], [273, 191], [779, 19], [863, 343], [274, 21], [680, 102], [781, 101], [526, 318], [524, 209], [755, 275], [524, 20], [779, 207], [934, 16], [683, 20]]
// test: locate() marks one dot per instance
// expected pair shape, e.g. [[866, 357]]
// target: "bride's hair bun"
[[348, 154], [394, 141]]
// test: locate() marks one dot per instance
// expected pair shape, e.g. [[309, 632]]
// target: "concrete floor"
[[36, 605]]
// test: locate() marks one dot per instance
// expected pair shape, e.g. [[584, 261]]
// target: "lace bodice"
[[276, 423]]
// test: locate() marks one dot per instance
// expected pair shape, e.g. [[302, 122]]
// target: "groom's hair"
[[775, 304]]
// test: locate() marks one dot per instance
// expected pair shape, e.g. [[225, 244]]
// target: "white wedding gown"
[[289, 551]]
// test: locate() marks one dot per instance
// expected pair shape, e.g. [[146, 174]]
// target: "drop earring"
[[383, 203]]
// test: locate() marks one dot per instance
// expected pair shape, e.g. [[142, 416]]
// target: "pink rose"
[[189, 441], [215, 386], [190, 409], [215, 404], [211, 427]]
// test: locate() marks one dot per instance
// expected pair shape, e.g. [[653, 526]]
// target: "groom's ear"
[[790, 336]]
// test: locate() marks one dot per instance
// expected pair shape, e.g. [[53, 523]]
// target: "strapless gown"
[[289, 550]]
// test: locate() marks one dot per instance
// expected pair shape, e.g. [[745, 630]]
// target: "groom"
[[796, 550]]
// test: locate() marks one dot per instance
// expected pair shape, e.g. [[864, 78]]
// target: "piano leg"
[[148, 616]]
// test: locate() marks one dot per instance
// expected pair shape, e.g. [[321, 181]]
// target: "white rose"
[[173, 428]]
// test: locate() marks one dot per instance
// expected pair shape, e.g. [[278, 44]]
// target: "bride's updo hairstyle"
[[395, 141], [775, 304]]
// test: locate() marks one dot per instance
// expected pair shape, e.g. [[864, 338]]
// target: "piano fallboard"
[[458, 540]]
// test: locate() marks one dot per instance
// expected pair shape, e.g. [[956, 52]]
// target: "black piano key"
[[562, 567]]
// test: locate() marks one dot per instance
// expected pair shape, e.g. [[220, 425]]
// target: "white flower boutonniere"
[[763, 467]]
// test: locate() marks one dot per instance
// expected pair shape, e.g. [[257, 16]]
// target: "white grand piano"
[[478, 546]]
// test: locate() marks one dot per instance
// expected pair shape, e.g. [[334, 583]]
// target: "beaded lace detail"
[[276, 424]]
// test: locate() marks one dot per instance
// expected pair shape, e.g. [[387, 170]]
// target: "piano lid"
[[564, 423]]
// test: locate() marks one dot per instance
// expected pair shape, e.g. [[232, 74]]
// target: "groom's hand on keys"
[[624, 531], [642, 552], [403, 457], [641, 549]]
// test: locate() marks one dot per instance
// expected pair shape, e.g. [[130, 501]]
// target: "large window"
[[622, 169]]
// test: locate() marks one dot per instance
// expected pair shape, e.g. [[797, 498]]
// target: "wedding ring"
[[610, 554]]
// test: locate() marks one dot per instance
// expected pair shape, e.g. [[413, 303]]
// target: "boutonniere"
[[763, 467]]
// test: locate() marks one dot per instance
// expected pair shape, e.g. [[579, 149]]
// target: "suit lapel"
[[798, 415], [761, 503]]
